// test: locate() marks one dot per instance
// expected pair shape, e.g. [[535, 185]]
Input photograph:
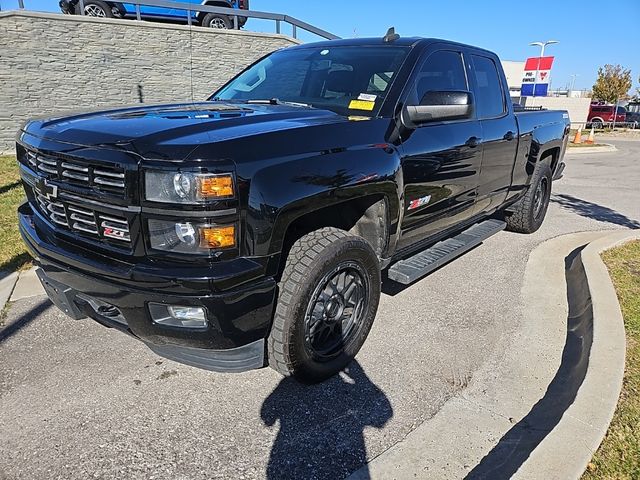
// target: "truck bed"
[[530, 120]]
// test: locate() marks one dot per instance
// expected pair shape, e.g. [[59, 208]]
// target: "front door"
[[440, 160]]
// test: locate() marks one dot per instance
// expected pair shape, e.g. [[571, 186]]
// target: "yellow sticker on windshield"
[[362, 105]]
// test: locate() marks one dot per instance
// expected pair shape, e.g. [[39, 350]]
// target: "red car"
[[600, 113]]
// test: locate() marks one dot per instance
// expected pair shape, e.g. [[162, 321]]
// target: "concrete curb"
[[607, 147], [469, 426], [28, 285], [569, 447], [7, 285], [19, 285]]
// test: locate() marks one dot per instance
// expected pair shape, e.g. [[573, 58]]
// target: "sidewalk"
[[507, 422], [19, 285]]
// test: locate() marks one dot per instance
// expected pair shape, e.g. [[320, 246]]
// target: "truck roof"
[[402, 41]]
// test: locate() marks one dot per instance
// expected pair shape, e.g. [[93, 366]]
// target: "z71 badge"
[[113, 233], [419, 202]]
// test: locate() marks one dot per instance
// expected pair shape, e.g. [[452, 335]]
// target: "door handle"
[[473, 142], [509, 136]]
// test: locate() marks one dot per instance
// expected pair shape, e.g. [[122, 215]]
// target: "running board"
[[411, 269]]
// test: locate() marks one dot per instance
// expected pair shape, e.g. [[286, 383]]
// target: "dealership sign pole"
[[537, 71]]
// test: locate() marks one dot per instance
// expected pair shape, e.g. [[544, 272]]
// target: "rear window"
[[490, 99]]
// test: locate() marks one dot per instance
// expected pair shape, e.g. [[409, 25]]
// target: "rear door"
[[499, 131], [440, 160]]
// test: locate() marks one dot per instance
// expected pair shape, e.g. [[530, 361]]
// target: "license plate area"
[[61, 296]]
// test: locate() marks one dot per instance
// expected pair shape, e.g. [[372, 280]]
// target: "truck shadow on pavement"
[[594, 211], [322, 426], [25, 319]]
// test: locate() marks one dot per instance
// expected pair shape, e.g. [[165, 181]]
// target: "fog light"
[[178, 316]]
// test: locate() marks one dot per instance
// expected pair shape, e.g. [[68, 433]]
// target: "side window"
[[489, 96], [442, 71]]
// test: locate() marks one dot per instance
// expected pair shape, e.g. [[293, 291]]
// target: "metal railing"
[[607, 125], [232, 13]]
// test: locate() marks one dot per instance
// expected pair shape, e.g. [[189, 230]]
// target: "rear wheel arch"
[[552, 155]]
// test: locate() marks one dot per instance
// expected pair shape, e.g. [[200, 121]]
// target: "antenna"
[[391, 36]]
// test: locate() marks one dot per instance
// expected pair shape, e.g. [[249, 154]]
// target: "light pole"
[[541, 45], [573, 80]]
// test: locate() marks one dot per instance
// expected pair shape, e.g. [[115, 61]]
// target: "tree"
[[613, 83]]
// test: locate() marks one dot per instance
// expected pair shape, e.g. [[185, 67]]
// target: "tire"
[[215, 20], [118, 10], [96, 8], [328, 299], [529, 212]]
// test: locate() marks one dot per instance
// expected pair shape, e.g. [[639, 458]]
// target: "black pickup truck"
[[254, 228]]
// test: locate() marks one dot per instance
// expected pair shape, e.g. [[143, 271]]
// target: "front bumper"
[[239, 318]]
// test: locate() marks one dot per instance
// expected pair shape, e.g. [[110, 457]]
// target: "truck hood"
[[172, 132]]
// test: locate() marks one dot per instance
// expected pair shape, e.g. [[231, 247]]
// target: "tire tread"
[[302, 255], [521, 219]]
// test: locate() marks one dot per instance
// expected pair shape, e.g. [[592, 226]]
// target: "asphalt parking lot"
[[80, 401]]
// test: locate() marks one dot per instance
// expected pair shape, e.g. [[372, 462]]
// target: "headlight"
[[190, 237], [187, 187]]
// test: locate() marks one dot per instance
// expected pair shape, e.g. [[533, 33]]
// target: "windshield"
[[346, 80]]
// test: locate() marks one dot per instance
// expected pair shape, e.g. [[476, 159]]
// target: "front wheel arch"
[[368, 217]]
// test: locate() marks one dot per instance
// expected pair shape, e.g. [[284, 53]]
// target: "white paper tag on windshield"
[[367, 97]]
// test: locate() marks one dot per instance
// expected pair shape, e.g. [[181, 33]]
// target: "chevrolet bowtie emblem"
[[46, 189]]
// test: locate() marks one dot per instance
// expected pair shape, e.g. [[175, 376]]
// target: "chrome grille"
[[109, 178], [84, 220]]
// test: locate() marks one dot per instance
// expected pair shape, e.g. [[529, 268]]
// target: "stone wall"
[[55, 63]]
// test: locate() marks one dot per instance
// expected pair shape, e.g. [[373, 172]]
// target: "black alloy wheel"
[[336, 311], [327, 300]]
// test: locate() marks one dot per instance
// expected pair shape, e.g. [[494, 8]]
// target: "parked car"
[[633, 119], [601, 114], [102, 8], [252, 229]]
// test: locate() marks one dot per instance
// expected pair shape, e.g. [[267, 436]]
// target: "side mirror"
[[439, 106]]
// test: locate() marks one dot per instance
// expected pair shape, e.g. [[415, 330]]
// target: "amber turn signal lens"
[[217, 237], [219, 186]]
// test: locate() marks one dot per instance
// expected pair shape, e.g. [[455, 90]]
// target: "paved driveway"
[[78, 400]]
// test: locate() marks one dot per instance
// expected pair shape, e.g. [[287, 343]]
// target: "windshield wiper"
[[275, 101]]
